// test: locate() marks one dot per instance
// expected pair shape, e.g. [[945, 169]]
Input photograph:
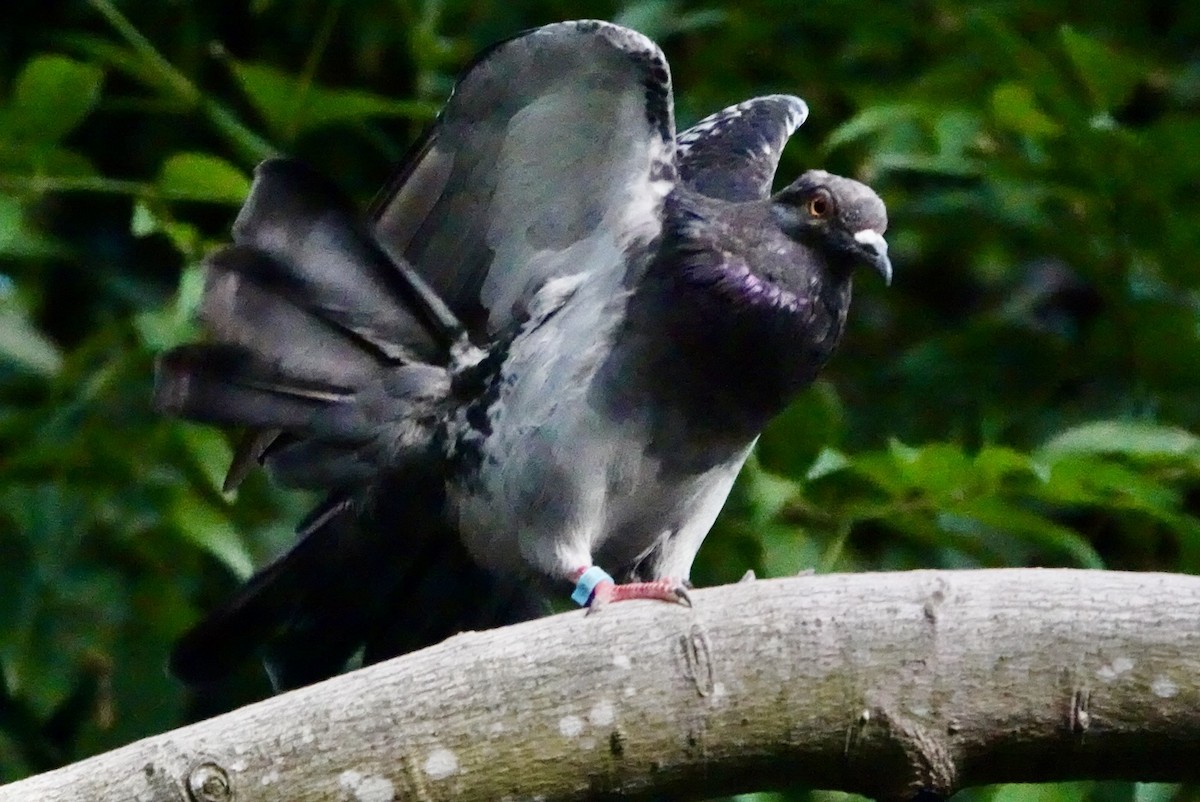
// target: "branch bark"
[[881, 684]]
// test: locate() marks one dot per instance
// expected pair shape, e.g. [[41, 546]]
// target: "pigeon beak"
[[875, 248]]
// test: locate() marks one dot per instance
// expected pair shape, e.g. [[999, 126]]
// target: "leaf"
[[933, 164], [330, 106], [940, 470], [998, 42], [202, 177], [210, 451], [143, 223], [147, 220], [66, 602], [212, 531], [1004, 520], [997, 463], [957, 131], [273, 92], [827, 462], [99, 50], [21, 344], [659, 19], [1014, 107], [786, 550], [795, 437], [1094, 481], [881, 469], [1130, 438], [762, 494], [872, 120], [52, 95], [1155, 792], [161, 328], [1170, 143], [18, 240], [1109, 77], [1058, 792], [31, 162], [290, 107], [901, 452], [19, 579]]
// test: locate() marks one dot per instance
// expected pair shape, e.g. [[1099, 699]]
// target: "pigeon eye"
[[820, 205]]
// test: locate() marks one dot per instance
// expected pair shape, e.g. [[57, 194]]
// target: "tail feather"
[[227, 384], [383, 575], [390, 421], [317, 335], [251, 448], [314, 465], [242, 306], [233, 633], [333, 265]]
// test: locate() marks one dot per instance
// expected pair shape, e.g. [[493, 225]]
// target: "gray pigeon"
[[544, 354]]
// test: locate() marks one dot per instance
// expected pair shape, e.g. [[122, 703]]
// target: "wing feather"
[[732, 155], [552, 142]]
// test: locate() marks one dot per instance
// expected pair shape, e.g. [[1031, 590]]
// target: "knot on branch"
[[697, 659], [930, 773], [208, 782]]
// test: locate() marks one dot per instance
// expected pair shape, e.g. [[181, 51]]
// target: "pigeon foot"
[[606, 591], [670, 590]]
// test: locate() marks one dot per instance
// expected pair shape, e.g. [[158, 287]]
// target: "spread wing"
[[552, 156], [733, 154]]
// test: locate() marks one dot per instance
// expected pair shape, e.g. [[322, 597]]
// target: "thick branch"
[[875, 683]]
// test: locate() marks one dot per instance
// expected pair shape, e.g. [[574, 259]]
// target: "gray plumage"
[[553, 344]]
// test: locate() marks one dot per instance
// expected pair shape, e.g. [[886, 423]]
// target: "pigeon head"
[[841, 217]]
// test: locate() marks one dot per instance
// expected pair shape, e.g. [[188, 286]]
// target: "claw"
[[601, 596]]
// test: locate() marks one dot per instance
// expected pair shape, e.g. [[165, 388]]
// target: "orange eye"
[[820, 205]]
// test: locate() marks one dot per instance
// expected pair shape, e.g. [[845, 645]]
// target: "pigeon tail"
[[338, 360], [336, 356]]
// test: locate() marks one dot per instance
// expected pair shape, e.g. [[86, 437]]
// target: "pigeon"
[[534, 366]]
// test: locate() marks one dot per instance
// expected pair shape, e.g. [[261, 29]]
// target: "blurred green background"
[[1025, 394]]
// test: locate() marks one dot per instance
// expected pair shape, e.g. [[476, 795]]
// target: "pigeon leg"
[[595, 589]]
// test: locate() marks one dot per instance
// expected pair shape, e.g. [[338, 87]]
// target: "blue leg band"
[[587, 584]]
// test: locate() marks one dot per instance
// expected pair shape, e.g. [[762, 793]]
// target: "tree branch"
[[882, 684]]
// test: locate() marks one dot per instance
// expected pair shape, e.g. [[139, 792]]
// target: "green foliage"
[[22, 346], [202, 177], [51, 95], [290, 106], [1028, 393]]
